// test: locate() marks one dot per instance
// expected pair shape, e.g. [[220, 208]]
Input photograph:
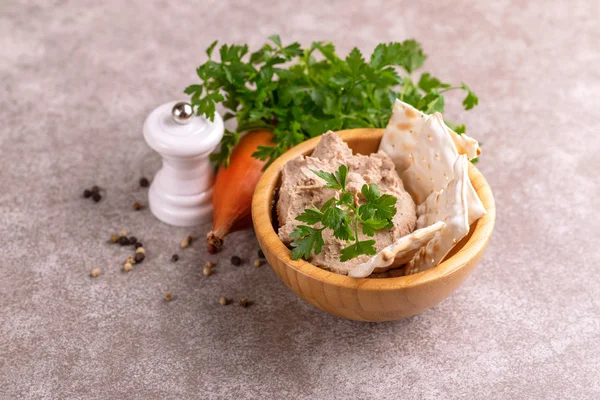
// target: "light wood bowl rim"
[[261, 212]]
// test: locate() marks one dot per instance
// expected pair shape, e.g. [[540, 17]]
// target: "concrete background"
[[77, 80]]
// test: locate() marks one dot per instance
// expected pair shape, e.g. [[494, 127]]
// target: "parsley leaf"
[[341, 174], [310, 216], [432, 102], [334, 181], [380, 207], [358, 248], [471, 100], [330, 179], [211, 48], [309, 240], [428, 82], [407, 55], [460, 129], [336, 219], [328, 204], [347, 199], [372, 225], [230, 139], [370, 192]]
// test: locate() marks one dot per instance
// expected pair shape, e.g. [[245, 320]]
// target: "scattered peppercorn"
[[96, 197], [212, 249], [130, 260], [139, 257], [114, 238], [244, 302], [186, 242], [169, 296], [123, 233], [123, 241], [257, 262], [144, 182], [207, 271], [132, 240], [95, 273], [127, 267], [138, 245], [209, 264], [224, 301], [87, 193], [174, 258], [235, 260], [137, 206], [261, 254], [140, 250]]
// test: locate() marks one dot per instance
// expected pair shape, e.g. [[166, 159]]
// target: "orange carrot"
[[234, 187]]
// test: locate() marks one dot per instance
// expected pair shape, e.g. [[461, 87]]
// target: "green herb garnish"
[[343, 217], [300, 93]]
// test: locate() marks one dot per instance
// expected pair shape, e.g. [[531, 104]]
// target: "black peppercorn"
[[87, 193], [235, 260], [244, 302], [136, 206], [144, 182], [175, 258], [96, 197], [123, 241], [261, 254], [138, 244], [139, 257], [132, 240]]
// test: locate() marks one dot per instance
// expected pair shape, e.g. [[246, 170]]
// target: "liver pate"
[[301, 188]]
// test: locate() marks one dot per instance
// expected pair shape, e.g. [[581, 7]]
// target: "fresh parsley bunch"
[[343, 217], [300, 93]]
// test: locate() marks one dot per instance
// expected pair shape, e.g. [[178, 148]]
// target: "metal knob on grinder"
[[182, 113]]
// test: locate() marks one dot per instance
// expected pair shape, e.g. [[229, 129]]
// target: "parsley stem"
[[355, 217], [355, 225], [450, 88], [404, 86]]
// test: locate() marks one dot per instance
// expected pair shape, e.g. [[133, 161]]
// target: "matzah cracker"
[[398, 253], [407, 119], [431, 160], [448, 205]]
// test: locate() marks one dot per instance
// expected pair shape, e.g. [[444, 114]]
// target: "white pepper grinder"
[[181, 191]]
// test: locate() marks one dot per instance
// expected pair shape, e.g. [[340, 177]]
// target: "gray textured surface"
[[78, 78]]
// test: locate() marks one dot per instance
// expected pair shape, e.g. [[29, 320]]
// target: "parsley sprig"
[[343, 216], [298, 93]]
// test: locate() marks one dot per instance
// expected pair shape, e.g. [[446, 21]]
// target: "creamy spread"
[[301, 189]]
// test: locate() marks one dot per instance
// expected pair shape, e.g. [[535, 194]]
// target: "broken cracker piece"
[[430, 164], [431, 160], [401, 133], [448, 205], [398, 253], [406, 119]]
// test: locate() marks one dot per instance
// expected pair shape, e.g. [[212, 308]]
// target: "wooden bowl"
[[367, 299]]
